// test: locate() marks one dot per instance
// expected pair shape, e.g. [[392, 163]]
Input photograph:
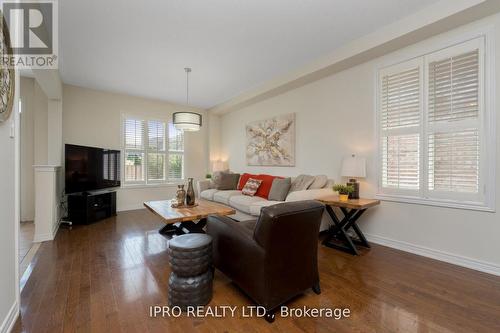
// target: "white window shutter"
[[134, 134], [454, 161], [134, 163], [153, 152], [176, 153], [400, 161], [453, 139], [156, 150], [400, 100], [400, 114], [454, 88]]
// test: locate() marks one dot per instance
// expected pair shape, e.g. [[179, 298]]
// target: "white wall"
[[93, 118], [27, 150], [9, 219], [34, 141], [214, 140], [40, 109], [335, 117]]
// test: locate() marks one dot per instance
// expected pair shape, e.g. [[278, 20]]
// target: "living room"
[[231, 134]]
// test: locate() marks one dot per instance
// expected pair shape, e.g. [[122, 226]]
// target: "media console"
[[85, 207]]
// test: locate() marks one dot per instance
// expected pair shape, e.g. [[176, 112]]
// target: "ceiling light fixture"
[[187, 121]]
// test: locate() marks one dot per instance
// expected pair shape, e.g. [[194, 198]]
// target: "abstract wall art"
[[271, 142]]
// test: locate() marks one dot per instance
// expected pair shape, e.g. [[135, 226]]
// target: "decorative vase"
[[343, 197], [190, 193], [180, 195], [355, 186]]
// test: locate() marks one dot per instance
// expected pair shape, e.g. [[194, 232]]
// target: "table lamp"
[[354, 167], [219, 166]]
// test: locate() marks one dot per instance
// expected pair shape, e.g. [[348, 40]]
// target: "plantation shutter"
[[134, 160], [399, 123], [156, 150], [153, 152], [401, 99], [175, 153], [453, 135]]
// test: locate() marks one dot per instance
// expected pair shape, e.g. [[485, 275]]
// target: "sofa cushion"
[[243, 202], [319, 182], [243, 180], [228, 181], [302, 182], [223, 196], [257, 206], [279, 189], [208, 194]]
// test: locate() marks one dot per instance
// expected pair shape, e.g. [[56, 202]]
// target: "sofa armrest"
[[308, 194], [202, 185]]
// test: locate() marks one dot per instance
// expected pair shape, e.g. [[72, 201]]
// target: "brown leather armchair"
[[274, 258]]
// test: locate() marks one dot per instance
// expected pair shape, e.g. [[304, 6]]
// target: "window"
[[433, 132], [153, 152]]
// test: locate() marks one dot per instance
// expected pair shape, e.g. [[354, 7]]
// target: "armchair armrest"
[[236, 253], [202, 185]]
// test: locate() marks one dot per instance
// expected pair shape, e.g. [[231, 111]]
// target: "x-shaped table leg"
[[340, 228]]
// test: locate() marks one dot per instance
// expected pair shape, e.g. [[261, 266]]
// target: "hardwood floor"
[[26, 233], [103, 278]]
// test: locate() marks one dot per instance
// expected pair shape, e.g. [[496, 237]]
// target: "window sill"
[[437, 203], [143, 186]]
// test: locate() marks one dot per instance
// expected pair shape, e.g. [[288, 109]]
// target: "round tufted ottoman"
[[190, 283]]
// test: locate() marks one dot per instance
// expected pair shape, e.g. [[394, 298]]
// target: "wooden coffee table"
[[186, 219]]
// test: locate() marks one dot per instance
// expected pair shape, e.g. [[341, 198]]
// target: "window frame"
[[147, 182], [487, 125]]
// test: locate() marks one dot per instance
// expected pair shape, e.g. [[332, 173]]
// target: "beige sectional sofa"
[[248, 207]]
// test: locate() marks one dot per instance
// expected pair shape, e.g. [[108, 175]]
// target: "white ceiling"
[[141, 47]]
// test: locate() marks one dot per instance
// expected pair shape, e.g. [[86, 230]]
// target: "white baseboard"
[[477, 265], [10, 319], [48, 236], [56, 229], [43, 238]]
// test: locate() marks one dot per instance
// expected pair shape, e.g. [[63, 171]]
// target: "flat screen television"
[[90, 168]]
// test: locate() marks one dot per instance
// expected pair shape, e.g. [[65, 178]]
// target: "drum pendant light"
[[187, 121]]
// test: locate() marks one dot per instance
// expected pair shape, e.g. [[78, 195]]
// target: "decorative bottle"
[[181, 195], [190, 193]]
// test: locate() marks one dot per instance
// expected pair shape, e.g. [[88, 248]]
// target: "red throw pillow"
[[265, 187], [243, 180]]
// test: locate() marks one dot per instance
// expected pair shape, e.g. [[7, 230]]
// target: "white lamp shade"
[[187, 121], [219, 166], [354, 166]]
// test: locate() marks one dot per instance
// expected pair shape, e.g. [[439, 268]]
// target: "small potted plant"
[[344, 191], [208, 176]]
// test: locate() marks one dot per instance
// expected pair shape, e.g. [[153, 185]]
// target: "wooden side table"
[[337, 237]]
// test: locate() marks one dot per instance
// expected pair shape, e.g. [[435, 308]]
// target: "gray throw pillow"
[[319, 182], [279, 189], [228, 181], [302, 182], [216, 177]]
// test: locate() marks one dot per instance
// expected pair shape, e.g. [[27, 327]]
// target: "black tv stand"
[[88, 207]]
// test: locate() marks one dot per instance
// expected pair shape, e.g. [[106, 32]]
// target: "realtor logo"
[[33, 29]]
